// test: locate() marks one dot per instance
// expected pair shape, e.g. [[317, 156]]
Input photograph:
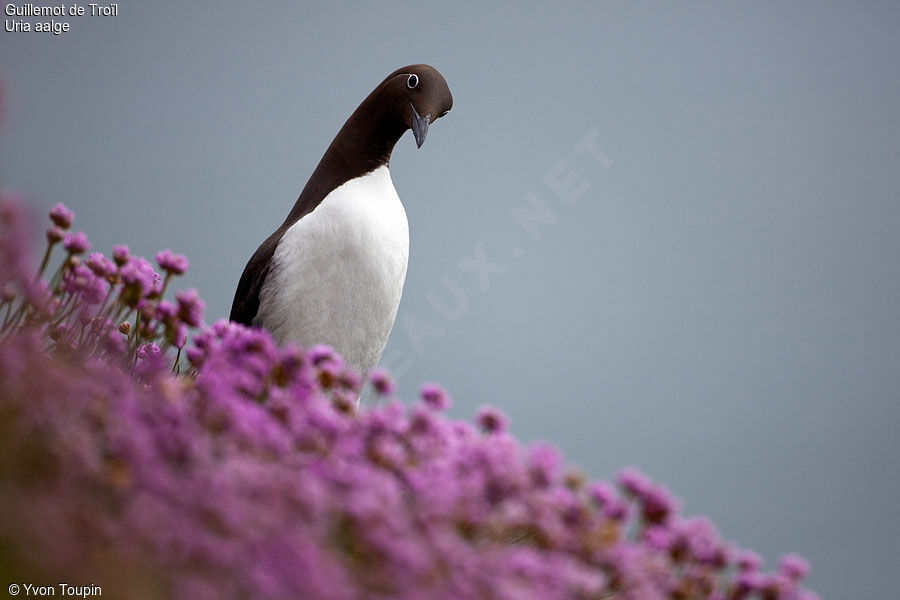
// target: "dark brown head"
[[409, 98], [418, 95], [425, 97]]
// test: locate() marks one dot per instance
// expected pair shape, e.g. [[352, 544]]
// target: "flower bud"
[[62, 216], [121, 254], [55, 235], [76, 243]]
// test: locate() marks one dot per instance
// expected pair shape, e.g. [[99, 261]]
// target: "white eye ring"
[[413, 81]]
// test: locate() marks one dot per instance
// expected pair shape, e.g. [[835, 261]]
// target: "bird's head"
[[420, 96]]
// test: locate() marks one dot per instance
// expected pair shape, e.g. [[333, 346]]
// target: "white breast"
[[337, 273]]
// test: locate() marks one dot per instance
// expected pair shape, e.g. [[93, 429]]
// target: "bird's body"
[[337, 274], [333, 272]]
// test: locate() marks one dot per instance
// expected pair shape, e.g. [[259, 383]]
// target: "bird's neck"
[[367, 139], [363, 144]]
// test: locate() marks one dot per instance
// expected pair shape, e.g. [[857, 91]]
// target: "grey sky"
[[721, 307]]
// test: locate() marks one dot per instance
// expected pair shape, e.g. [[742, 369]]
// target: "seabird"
[[333, 272]]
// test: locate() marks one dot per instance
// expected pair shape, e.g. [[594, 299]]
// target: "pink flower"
[[61, 216], [490, 420], [138, 278], [657, 504], [179, 335], [794, 566], [633, 481], [173, 263], [148, 351], [76, 242], [321, 353], [100, 265], [121, 254], [382, 382], [603, 493], [434, 396], [748, 560], [81, 281], [190, 307], [544, 460], [55, 235]]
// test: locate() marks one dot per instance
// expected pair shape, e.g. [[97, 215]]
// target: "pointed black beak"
[[419, 126]]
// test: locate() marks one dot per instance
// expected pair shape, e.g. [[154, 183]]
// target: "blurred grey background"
[[721, 307]]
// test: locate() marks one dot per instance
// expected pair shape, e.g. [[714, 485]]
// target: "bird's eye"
[[413, 81]]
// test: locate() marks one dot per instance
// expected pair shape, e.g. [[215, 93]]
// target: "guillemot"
[[333, 272]]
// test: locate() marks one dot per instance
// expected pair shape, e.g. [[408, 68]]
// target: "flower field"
[[148, 453]]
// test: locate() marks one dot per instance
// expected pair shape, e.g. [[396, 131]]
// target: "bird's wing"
[[246, 297]]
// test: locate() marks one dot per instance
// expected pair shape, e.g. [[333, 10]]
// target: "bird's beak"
[[419, 126]]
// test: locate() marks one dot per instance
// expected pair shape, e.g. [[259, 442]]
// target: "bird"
[[333, 272]]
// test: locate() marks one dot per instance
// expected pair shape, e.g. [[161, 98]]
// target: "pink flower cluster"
[[257, 475], [111, 307]]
